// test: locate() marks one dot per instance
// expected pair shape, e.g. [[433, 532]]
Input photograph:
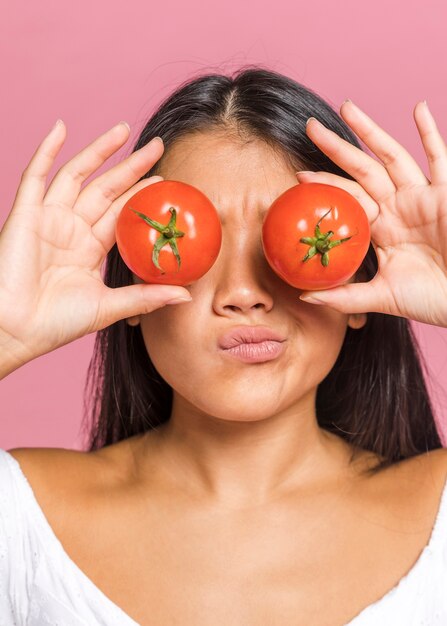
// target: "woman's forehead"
[[228, 171], [215, 154]]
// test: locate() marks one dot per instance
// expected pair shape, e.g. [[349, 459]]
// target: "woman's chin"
[[240, 412]]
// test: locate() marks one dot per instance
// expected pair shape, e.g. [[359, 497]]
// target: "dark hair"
[[374, 397]]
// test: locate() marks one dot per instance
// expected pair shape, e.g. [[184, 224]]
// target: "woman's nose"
[[242, 278]]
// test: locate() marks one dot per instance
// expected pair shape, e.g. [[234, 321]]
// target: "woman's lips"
[[256, 352]]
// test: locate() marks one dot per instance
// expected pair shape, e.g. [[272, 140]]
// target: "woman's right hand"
[[54, 242]]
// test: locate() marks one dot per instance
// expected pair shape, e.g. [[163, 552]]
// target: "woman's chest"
[[319, 563]]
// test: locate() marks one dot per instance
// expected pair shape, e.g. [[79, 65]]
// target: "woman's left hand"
[[407, 215]]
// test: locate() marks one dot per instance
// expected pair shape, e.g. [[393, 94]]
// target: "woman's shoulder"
[[420, 474], [61, 475], [406, 495], [425, 470], [42, 465], [50, 466], [67, 485]]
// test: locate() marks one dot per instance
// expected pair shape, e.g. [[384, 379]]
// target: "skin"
[[241, 434]]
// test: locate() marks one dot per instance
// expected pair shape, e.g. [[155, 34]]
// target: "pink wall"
[[96, 64]]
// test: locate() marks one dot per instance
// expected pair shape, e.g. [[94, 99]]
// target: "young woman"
[[306, 489]]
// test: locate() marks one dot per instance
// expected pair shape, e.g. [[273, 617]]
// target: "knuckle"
[[72, 172], [56, 204], [29, 173], [132, 170], [436, 155], [99, 155], [79, 168], [369, 133], [107, 191], [363, 169], [389, 156], [386, 198], [432, 157]]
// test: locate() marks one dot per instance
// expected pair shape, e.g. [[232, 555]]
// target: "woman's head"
[[240, 140], [242, 177]]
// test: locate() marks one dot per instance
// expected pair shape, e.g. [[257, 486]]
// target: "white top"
[[40, 585]]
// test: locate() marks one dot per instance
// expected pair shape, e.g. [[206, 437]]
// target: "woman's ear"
[[133, 321], [357, 320]]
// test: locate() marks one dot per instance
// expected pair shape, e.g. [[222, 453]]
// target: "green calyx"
[[168, 234], [321, 243]]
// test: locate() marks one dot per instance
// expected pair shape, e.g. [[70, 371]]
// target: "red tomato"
[[315, 236], [169, 233]]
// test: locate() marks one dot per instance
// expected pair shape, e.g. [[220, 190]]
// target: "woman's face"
[[241, 181]]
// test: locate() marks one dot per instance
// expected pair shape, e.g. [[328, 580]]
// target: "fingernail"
[[58, 123], [304, 172], [179, 300], [125, 124], [159, 139], [347, 100], [311, 118], [311, 299]]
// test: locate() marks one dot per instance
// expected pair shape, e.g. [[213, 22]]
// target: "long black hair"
[[374, 397]]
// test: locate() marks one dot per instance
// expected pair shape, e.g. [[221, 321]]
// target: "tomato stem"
[[321, 242], [168, 234]]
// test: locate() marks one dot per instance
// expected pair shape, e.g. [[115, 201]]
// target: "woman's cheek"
[[175, 346], [169, 333], [323, 330]]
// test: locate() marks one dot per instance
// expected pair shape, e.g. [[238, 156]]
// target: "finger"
[[32, 187], [434, 145], [369, 205], [371, 175], [104, 229], [96, 197], [402, 168], [121, 302], [66, 185], [370, 297]]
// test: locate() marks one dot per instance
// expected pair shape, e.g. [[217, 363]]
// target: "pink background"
[[94, 64]]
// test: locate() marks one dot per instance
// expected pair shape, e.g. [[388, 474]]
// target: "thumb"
[[121, 302], [350, 298]]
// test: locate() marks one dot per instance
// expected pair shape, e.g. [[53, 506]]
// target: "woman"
[[308, 489]]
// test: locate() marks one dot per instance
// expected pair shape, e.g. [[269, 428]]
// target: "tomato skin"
[[295, 214], [196, 217]]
